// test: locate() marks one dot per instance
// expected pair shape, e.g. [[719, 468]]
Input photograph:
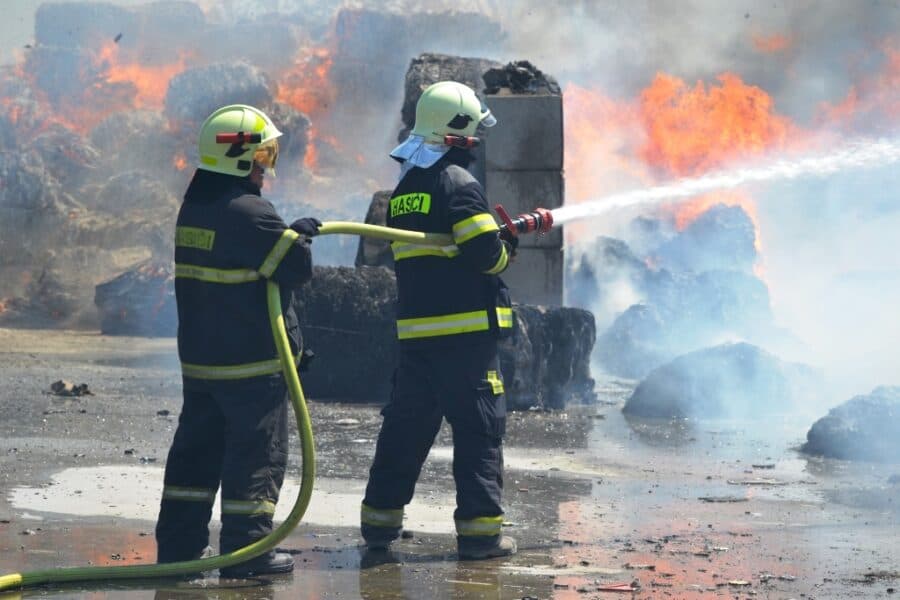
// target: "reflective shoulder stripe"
[[211, 275], [496, 382], [468, 228], [442, 325], [381, 517], [248, 507], [404, 250], [276, 254], [243, 371], [504, 317], [479, 526], [501, 262], [188, 494]]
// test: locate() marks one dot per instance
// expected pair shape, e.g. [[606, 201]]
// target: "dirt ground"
[[681, 510]]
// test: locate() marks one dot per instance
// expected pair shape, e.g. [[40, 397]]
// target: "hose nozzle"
[[539, 220]]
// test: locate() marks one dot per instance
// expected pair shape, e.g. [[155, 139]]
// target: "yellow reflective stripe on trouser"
[[211, 275], [495, 381], [281, 247], [501, 262], [381, 517], [468, 228], [246, 370], [504, 317], [248, 507], [403, 250], [479, 526], [188, 494], [443, 325]]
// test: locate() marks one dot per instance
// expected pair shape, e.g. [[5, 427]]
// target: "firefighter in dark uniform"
[[232, 431], [452, 308]]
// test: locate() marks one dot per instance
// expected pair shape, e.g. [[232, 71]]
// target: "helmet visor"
[[487, 118], [266, 155]]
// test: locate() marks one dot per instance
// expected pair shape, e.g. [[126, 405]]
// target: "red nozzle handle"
[[507, 222], [238, 138]]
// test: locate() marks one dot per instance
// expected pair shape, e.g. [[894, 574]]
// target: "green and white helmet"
[[235, 136], [445, 108]]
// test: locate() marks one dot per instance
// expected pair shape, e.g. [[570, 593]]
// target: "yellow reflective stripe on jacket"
[[468, 228], [504, 317], [243, 371], [479, 526], [402, 250], [496, 382], [188, 494], [443, 325], [381, 517], [501, 263], [248, 507], [195, 237], [211, 275], [276, 254]]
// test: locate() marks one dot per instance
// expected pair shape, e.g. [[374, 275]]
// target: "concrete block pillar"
[[523, 170]]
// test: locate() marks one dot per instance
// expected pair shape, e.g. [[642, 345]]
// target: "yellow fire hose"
[[304, 427]]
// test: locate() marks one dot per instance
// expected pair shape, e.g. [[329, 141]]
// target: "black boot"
[[478, 547], [267, 564], [379, 538]]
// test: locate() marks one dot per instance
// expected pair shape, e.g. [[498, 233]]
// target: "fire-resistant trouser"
[[233, 433], [464, 385]]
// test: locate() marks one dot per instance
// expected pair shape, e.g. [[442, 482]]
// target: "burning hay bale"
[[294, 126], [138, 139], [724, 381], [66, 155], [862, 428]]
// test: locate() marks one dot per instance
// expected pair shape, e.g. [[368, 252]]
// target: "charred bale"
[[862, 428], [347, 318], [140, 301], [520, 77], [294, 126], [373, 252], [730, 380]]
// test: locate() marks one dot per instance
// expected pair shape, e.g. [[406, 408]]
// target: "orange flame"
[[694, 130], [771, 44], [180, 161], [305, 85], [150, 81]]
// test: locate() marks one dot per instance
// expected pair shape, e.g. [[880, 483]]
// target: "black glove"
[[307, 226]]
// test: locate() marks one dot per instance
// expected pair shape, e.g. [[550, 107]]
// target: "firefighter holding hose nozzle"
[[229, 241], [452, 308]]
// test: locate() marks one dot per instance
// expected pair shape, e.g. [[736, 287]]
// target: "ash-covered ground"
[[722, 509]]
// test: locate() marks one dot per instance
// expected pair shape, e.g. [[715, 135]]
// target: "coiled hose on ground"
[[304, 427]]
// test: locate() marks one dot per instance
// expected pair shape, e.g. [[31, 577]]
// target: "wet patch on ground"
[[673, 510]]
